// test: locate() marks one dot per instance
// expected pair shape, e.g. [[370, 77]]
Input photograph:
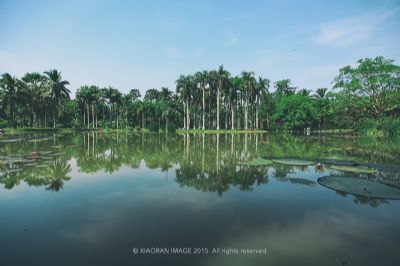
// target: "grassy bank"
[[221, 131], [333, 131], [20, 130]]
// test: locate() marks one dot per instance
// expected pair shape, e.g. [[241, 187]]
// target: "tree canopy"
[[207, 99]]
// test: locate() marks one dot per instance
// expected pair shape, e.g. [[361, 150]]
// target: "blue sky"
[[148, 44]]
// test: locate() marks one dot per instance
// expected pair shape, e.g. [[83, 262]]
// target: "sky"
[[149, 44]]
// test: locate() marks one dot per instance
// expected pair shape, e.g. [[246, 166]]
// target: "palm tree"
[[165, 94], [321, 104], [107, 95], [234, 87], [261, 91], [128, 101], [201, 78], [248, 82], [9, 84], [223, 79], [84, 96], [167, 113], [58, 90], [184, 87], [320, 93], [116, 99], [35, 92], [212, 85]]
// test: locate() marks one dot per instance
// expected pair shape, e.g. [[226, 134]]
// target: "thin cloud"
[[231, 41], [172, 52], [350, 30]]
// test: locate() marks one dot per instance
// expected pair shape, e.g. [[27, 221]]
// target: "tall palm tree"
[[35, 92], [58, 90], [201, 79], [184, 86], [223, 79], [94, 98], [165, 94], [84, 97], [234, 87], [320, 93], [128, 101], [261, 91], [212, 85], [116, 100], [9, 84], [248, 82]]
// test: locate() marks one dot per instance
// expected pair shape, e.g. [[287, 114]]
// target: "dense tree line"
[[213, 99]]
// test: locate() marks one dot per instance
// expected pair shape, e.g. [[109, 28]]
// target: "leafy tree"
[[375, 78]]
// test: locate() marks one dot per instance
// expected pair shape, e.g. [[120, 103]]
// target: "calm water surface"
[[91, 198]]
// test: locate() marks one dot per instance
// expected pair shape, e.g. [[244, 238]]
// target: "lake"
[[113, 198]]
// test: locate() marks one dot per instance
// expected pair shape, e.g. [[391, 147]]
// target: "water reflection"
[[205, 162]]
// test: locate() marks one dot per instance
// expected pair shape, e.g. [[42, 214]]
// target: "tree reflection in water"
[[206, 162]]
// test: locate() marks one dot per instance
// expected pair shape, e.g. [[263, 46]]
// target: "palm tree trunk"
[[93, 118], [96, 117], [111, 113], [187, 115], [88, 115], [55, 114], [126, 118], [117, 115], [218, 108], [246, 111], [204, 106], [184, 115], [233, 117], [257, 107]]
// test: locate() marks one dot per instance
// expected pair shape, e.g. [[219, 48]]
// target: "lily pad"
[[256, 162], [359, 186], [295, 162], [339, 162], [393, 183], [353, 169], [383, 167], [302, 181]]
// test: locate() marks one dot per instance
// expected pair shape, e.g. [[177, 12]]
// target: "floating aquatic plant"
[[353, 169], [339, 162], [296, 162], [359, 186], [256, 162]]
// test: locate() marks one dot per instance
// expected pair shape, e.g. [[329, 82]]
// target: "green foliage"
[[379, 127], [294, 112], [366, 97], [376, 79], [153, 126]]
